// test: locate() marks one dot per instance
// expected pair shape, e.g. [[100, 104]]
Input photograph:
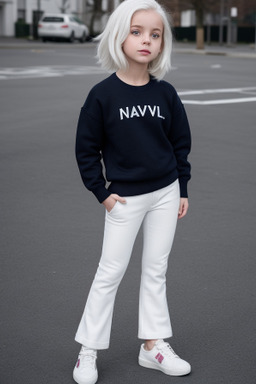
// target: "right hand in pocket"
[[110, 202]]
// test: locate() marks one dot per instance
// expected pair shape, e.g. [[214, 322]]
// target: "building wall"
[[8, 13], [11, 10], [187, 18], [246, 10], [49, 6]]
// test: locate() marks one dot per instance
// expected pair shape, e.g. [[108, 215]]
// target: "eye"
[[155, 35], [135, 32]]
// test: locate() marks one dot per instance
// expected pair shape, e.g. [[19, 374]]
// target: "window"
[[21, 14], [53, 19], [77, 20]]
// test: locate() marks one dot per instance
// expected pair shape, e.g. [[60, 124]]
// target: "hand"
[[110, 202], [183, 207]]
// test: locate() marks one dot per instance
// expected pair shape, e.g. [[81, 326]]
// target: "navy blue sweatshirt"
[[142, 134]]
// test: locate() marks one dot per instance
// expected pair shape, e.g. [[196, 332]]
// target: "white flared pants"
[[157, 212]]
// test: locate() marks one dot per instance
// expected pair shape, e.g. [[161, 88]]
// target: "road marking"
[[221, 101], [62, 70], [38, 50], [47, 71], [239, 91], [221, 90]]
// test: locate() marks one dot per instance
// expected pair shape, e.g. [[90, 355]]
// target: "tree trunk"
[[199, 25], [199, 38], [97, 10]]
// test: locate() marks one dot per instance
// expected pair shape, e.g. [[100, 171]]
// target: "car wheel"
[[72, 37], [83, 38]]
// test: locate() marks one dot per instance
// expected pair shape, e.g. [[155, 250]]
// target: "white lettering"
[[123, 113], [152, 111], [158, 113], [134, 112], [142, 111]]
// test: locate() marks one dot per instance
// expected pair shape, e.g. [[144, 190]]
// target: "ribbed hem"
[[101, 193], [128, 188], [183, 188]]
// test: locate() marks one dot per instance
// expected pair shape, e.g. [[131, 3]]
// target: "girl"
[[138, 125]]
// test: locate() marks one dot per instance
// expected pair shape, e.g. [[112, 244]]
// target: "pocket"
[[113, 209]]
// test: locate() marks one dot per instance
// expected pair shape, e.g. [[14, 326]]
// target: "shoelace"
[[166, 349], [88, 355]]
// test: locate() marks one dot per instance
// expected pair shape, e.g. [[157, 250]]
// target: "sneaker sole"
[[92, 380], [148, 364]]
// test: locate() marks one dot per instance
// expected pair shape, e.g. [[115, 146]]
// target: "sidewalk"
[[238, 50], [25, 43]]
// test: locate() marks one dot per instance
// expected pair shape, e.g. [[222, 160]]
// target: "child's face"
[[144, 42]]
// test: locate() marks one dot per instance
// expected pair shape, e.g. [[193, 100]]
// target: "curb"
[[34, 45], [242, 55]]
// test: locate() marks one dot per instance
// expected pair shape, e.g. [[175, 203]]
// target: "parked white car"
[[62, 26]]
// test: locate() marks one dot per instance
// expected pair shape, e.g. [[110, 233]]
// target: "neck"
[[134, 76]]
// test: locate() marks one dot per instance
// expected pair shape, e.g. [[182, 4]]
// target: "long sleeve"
[[89, 143], [180, 138]]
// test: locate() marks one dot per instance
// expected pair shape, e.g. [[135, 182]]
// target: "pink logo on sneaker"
[[78, 363], [159, 357]]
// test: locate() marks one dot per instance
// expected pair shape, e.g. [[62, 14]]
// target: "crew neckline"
[[131, 86]]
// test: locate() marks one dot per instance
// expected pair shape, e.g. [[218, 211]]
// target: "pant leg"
[[121, 227], [158, 229]]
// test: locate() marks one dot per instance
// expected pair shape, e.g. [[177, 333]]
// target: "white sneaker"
[[163, 358], [85, 371]]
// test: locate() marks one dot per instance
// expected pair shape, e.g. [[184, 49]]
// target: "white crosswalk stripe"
[[46, 71], [237, 92]]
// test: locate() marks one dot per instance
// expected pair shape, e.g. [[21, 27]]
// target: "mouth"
[[144, 52]]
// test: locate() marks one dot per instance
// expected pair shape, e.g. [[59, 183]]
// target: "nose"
[[146, 40]]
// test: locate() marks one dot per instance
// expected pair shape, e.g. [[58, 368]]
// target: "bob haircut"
[[110, 53]]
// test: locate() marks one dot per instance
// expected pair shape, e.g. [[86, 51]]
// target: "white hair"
[[110, 53]]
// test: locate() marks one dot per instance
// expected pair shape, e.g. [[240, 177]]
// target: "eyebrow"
[[140, 26]]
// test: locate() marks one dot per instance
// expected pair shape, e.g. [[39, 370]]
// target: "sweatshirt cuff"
[[101, 194], [183, 188]]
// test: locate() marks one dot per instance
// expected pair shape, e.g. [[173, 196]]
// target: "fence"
[[244, 34]]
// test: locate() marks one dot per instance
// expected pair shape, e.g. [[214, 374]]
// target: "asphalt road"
[[51, 227]]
